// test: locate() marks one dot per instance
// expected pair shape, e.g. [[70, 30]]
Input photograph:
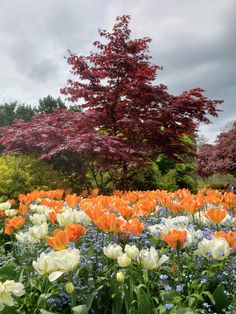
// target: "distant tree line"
[[9, 111]]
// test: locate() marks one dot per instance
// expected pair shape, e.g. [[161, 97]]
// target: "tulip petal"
[[55, 275]]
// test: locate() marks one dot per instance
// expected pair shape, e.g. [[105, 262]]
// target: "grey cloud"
[[44, 70]]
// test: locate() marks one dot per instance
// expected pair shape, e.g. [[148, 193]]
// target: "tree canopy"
[[49, 104], [125, 117], [13, 110], [220, 157]]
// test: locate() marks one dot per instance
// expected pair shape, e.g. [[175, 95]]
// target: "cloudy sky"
[[193, 40]]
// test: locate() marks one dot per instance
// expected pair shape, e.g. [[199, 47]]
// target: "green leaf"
[[144, 304], [156, 300], [197, 296], [19, 276], [80, 309], [9, 310], [89, 300], [210, 296], [191, 301], [8, 272], [221, 300]]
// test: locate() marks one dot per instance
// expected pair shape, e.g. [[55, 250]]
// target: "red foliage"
[[220, 157], [126, 117]]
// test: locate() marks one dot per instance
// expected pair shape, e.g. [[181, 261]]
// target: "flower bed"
[[132, 252]]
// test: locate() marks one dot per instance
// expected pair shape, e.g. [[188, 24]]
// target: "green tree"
[[24, 173], [49, 104], [13, 110], [7, 113]]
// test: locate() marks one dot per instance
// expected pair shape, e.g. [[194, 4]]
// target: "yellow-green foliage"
[[217, 181], [23, 173]]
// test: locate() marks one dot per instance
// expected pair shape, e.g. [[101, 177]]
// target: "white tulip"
[[218, 249], [40, 209], [80, 217], [123, 260], [132, 251], [5, 206], [10, 212], [57, 263], [38, 219], [66, 218], [120, 276], [38, 232], [112, 251], [150, 260], [8, 288]]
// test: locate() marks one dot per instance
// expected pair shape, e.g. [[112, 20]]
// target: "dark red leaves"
[[220, 157], [126, 117]]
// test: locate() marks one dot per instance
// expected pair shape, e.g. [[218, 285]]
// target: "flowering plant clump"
[[131, 252]]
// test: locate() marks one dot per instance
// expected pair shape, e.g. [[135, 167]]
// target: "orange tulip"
[[74, 231], [23, 209], [132, 227], [58, 240], [229, 236], [145, 207], [72, 200], [14, 223], [127, 212], [108, 223], [175, 238], [52, 217], [215, 215]]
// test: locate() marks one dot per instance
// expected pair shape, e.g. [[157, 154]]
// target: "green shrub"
[[24, 173], [163, 174], [216, 181]]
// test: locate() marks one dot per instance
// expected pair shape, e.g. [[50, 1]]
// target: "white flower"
[[228, 221], [218, 249], [38, 232], [80, 217], [197, 235], [120, 276], [56, 263], [8, 288], [38, 219], [5, 206], [66, 218], [150, 260], [24, 237], [112, 250], [10, 212], [67, 259], [123, 260], [40, 209], [69, 287], [131, 251], [15, 288], [189, 239]]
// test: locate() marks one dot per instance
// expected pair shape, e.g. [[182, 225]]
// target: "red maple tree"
[[220, 157], [126, 118]]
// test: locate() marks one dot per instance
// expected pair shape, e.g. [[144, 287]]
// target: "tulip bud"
[[70, 288], [120, 276]]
